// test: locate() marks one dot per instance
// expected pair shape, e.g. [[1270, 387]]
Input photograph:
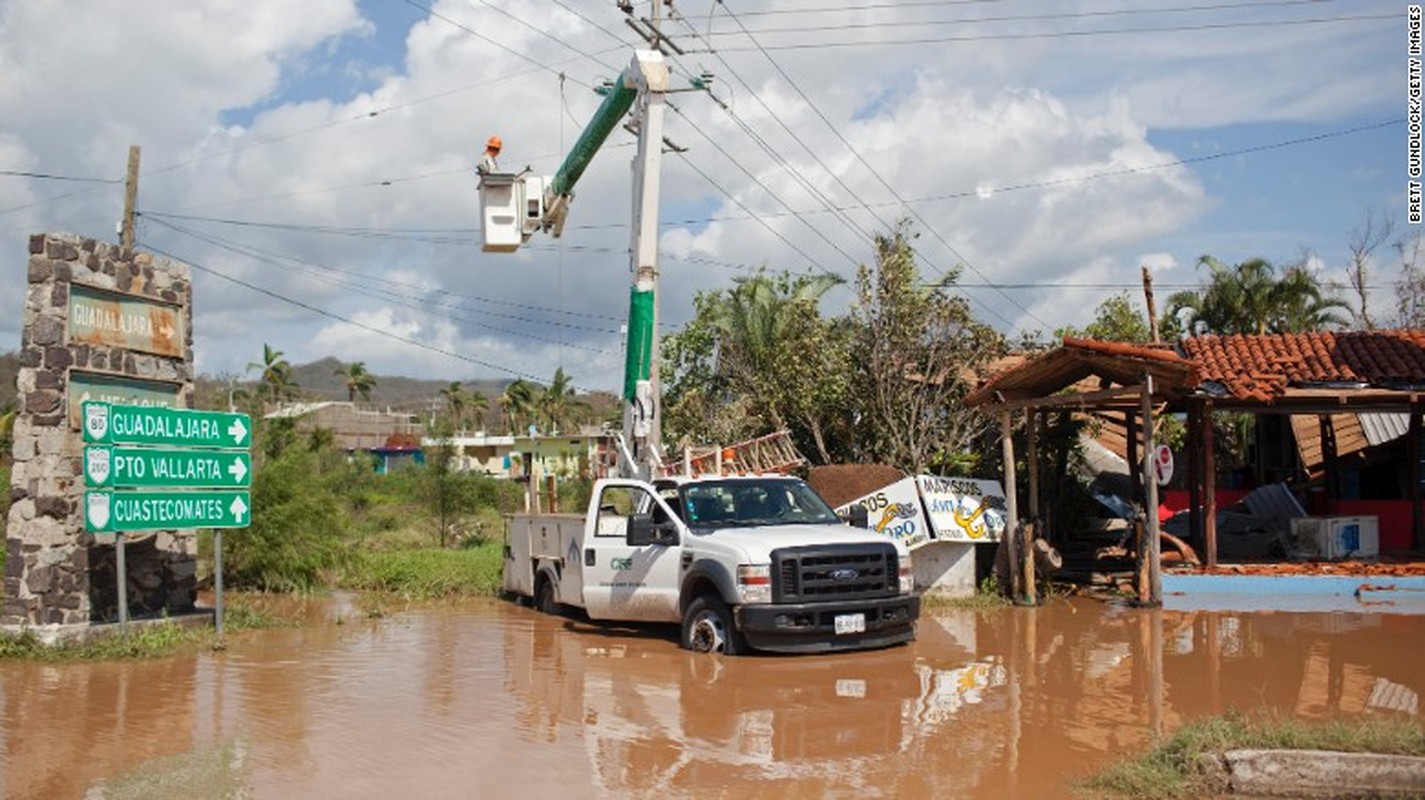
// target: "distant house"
[[589, 453], [353, 428]]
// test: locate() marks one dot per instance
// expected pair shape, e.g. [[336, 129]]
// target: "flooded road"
[[486, 699]]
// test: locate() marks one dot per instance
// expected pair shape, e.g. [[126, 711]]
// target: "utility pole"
[[1152, 309], [131, 196]]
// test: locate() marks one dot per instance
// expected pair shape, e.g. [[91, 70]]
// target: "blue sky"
[[263, 162]]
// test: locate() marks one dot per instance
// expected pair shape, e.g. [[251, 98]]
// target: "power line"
[[884, 183], [1057, 15], [51, 177], [985, 37], [333, 315], [407, 301]]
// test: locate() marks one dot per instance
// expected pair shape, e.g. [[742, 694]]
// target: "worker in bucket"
[[488, 162]]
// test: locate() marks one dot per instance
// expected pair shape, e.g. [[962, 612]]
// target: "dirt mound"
[[842, 483]]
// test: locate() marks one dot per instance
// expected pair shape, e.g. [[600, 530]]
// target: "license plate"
[[850, 623]]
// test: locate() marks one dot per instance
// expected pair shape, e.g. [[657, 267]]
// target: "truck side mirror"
[[642, 530], [859, 517]]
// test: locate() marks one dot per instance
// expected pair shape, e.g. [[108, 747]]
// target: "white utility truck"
[[742, 562]]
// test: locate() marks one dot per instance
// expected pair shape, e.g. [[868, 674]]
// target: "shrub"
[[298, 526]]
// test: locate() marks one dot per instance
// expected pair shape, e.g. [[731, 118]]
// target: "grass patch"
[[1170, 769], [431, 572], [144, 641], [987, 595]]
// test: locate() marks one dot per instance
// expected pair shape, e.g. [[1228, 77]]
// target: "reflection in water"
[[487, 699]]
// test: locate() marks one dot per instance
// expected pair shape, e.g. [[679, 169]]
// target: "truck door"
[[630, 583]]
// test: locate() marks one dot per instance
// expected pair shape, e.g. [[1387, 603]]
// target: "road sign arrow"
[[238, 470], [238, 431], [238, 507]]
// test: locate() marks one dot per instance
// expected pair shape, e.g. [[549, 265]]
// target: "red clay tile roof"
[[1262, 367]]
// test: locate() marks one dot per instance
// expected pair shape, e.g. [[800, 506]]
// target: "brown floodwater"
[[487, 699]]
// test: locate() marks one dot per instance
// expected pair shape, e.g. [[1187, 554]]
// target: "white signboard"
[[963, 509], [895, 511]]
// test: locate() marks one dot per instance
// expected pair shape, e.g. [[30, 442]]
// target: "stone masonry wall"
[[56, 572]]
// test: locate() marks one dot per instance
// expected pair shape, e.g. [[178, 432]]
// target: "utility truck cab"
[[758, 562]]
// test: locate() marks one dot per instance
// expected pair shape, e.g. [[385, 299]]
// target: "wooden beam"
[[1209, 485], [1068, 400], [1413, 449], [1011, 503], [1150, 502]]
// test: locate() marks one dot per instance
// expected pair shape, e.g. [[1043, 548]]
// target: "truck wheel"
[[544, 600], [708, 627]]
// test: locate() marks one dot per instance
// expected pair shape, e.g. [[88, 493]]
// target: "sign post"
[[158, 468]]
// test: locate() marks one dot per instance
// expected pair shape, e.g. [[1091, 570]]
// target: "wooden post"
[[1194, 464], [1011, 503], [551, 487], [1328, 459], [1209, 485], [131, 197], [1130, 425], [1413, 454], [1031, 437], [1032, 440], [1148, 298], [1150, 502]]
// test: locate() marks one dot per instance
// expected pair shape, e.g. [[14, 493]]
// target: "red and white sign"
[[1163, 464]]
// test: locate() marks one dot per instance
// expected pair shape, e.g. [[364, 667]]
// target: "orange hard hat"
[[493, 143]]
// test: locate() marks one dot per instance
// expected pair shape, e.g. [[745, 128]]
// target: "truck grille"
[[834, 572]]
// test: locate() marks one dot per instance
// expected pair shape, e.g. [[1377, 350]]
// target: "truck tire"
[[544, 601], [708, 627]]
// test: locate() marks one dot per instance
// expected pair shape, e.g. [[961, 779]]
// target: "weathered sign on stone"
[[105, 318], [87, 387], [105, 423], [147, 510], [106, 466]]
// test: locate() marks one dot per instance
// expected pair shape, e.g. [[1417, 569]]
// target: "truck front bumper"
[[811, 627]]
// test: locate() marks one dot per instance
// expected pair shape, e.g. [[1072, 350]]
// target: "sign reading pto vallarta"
[[116, 320], [137, 466], [154, 425], [144, 510]]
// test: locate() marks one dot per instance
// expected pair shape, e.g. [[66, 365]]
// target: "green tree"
[[518, 402], [1250, 298], [558, 402], [358, 381], [1116, 319], [276, 375], [916, 353], [456, 400], [759, 357]]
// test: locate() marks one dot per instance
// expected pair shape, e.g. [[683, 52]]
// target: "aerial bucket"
[[500, 210]]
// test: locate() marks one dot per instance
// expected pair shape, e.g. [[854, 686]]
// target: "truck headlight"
[[754, 583], [907, 575]]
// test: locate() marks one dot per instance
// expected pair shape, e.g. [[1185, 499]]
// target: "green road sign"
[[122, 424], [143, 510], [138, 466]]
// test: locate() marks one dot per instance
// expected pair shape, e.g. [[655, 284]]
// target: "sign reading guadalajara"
[[154, 425]]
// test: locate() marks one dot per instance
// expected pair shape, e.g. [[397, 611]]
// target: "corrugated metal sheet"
[[1273, 501], [1382, 427]]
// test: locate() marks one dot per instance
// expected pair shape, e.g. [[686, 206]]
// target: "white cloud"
[[1032, 160]]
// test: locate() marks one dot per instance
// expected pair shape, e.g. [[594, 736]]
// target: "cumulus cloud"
[[1028, 161]]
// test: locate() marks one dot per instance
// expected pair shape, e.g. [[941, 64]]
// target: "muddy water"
[[485, 699]]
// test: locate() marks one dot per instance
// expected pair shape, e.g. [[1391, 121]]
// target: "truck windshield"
[[752, 502]]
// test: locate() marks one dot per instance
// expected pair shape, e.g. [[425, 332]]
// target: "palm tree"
[[455, 400], [476, 403], [1249, 298], [558, 402], [357, 379], [518, 399], [276, 377]]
